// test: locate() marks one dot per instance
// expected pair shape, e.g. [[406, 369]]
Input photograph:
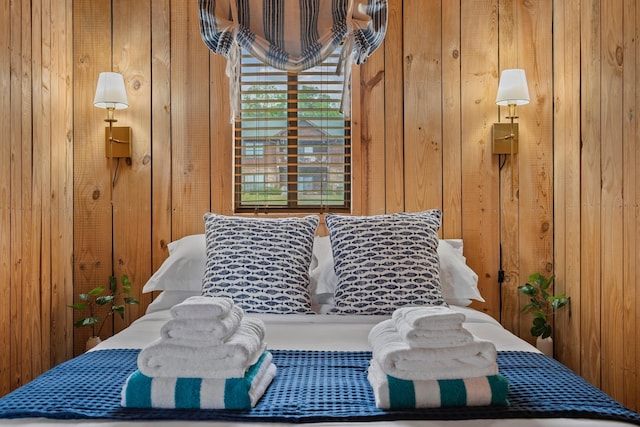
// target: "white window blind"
[[292, 144]]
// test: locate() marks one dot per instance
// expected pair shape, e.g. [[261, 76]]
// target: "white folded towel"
[[400, 360], [162, 358], [202, 332], [201, 307], [428, 317], [434, 338]]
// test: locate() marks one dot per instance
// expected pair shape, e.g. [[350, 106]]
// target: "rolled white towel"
[[162, 358], [434, 338], [202, 332], [201, 307], [400, 360], [428, 317]]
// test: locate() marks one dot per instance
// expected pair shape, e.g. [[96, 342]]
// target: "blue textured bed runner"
[[311, 386]]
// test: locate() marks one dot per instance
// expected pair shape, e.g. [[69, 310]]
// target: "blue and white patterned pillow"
[[261, 263], [384, 262]]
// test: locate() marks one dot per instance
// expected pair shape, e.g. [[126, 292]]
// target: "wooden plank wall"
[[596, 157], [36, 184], [427, 104]]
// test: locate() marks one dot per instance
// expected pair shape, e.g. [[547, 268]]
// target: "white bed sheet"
[[319, 332]]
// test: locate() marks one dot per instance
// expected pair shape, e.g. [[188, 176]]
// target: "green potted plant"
[[542, 305], [96, 298]]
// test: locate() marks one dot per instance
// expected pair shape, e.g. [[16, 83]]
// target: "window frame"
[[292, 142]]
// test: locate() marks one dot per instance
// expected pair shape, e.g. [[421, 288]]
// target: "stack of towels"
[[423, 357], [208, 356]]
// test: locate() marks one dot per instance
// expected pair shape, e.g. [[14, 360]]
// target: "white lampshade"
[[110, 92], [512, 88]]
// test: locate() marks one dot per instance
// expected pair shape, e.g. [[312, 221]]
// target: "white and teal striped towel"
[[141, 391], [395, 393]]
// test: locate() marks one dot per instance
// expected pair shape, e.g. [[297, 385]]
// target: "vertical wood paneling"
[[39, 170], [451, 122], [61, 180], [190, 130], [160, 131], [5, 202], [370, 113], [132, 221], [92, 207], [31, 272], [632, 217], [629, 261], [566, 49], [590, 214], [221, 138], [535, 183], [611, 197], [509, 203], [479, 82], [394, 111], [422, 105], [634, 280], [27, 215], [45, 167], [16, 228]]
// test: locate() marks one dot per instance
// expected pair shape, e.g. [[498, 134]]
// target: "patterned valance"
[[293, 35]]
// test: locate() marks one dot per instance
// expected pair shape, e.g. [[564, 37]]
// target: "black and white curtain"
[[293, 35]]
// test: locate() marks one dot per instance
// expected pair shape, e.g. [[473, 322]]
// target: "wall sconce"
[[111, 95], [512, 91]]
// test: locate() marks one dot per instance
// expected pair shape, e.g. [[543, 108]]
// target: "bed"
[[335, 394]]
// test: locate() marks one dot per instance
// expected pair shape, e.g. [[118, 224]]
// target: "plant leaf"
[[527, 308], [96, 291], [119, 309], [539, 320], [540, 315], [131, 300], [541, 330], [527, 289], [535, 277], [86, 321], [78, 306], [113, 284], [559, 302], [104, 299]]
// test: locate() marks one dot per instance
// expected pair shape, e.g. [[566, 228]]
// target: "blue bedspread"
[[310, 386]]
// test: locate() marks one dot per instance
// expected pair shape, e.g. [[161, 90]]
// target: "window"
[[253, 149], [292, 144]]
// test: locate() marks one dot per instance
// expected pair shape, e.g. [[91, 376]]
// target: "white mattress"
[[320, 332]]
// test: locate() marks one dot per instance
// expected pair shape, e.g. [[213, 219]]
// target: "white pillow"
[[167, 299], [458, 281], [183, 269], [321, 272]]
